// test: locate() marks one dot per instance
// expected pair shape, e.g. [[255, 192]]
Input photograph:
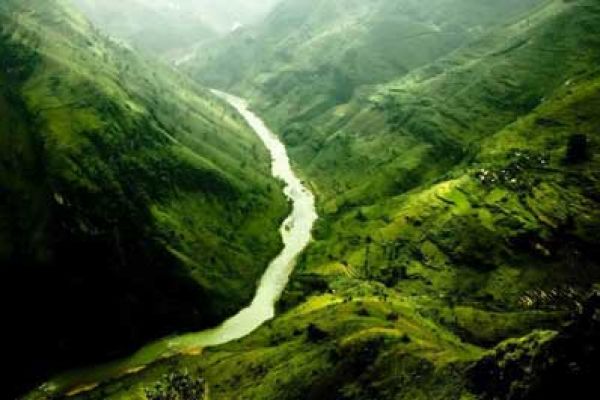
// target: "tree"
[[177, 385], [315, 334], [577, 149]]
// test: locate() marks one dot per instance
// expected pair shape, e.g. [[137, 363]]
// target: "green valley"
[[451, 146]]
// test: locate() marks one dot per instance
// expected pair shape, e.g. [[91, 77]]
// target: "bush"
[[178, 385], [315, 334], [577, 149]]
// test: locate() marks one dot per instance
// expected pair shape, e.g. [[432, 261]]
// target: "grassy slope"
[[492, 235], [133, 202]]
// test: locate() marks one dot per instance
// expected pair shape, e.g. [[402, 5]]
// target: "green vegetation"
[[309, 56], [133, 203], [177, 386], [544, 364], [361, 337], [458, 206], [457, 180]]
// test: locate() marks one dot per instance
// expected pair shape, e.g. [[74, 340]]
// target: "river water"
[[296, 235], [295, 231]]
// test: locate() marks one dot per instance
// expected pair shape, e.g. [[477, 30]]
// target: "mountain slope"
[[408, 134], [128, 206], [384, 154], [312, 55], [364, 339], [459, 232]]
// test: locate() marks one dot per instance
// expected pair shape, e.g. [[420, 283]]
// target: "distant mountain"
[[319, 51], [127, 207], [171, 27], [156, 27]]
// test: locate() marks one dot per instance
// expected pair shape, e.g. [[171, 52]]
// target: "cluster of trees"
[[577, 149], [178, 385], [17, 62]]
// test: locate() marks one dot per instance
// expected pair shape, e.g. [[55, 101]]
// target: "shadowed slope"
[[134, 204]]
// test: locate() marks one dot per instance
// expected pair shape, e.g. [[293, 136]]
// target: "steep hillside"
[[373, 157], [459, 231], [395, 165], [433, 327], [133, 203]]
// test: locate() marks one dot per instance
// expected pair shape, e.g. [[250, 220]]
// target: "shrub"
[[177, 385], [315, 334], [577, 149]]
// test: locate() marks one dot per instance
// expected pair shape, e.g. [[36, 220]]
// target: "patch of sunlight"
[[316, 303]]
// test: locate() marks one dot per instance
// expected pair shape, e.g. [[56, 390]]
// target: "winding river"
[[296, 234]]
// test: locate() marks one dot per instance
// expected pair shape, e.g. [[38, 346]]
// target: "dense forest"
[[451, 147]]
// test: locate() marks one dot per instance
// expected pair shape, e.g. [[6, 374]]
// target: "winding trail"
[[296, 235]]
